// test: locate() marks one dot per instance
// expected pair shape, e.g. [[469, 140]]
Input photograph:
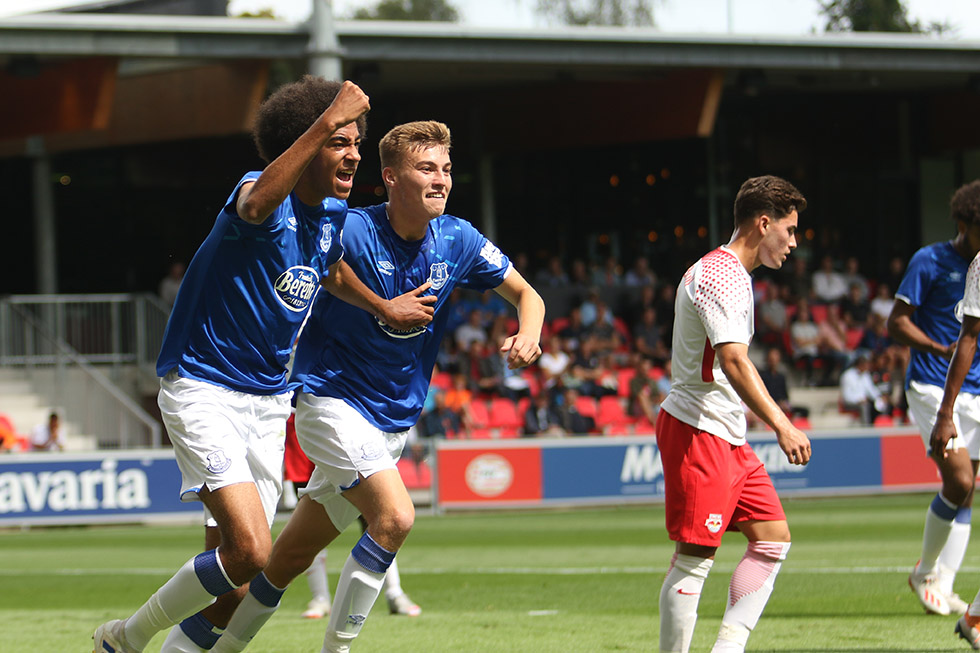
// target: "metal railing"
[[58, 340]]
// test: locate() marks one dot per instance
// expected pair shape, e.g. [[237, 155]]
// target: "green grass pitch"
[[562, 580]]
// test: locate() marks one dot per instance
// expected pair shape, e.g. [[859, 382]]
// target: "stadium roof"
[[475, 55]]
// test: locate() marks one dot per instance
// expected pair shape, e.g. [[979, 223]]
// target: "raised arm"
[[407, 311], [744, 377], [525, 346], [964, 350], [904, 331], [256, 201]]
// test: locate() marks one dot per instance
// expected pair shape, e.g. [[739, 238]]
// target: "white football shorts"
[[924, 400], [222, 437], [343, 445]]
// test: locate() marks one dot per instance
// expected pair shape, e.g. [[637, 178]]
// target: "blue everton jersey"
[[934, 283], [247, 291], [347, 353]]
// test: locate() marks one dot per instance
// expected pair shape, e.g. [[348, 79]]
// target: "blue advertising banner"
[[105, 487]]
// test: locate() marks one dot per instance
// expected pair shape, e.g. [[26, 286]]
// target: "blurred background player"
[[353, 425], [714, 481], [926, 316], [298, 469]]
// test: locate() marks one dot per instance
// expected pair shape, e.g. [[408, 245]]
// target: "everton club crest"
[[438, 275]]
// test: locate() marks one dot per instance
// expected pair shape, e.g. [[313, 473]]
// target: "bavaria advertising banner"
[[103, 487], [597, 470]]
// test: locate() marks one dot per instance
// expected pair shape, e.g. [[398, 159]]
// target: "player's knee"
[[959, 487], [245, 557], [395, 524]]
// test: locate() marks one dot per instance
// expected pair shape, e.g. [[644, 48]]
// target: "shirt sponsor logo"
[[291, 223], [438, 275], [386, 268], [399, 333], [66, 490], [713, 522], [489, 475], [326, 238], [296, 286], [218, 462], [491, 254]]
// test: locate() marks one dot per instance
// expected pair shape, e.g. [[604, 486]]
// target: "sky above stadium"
[[786, 17]]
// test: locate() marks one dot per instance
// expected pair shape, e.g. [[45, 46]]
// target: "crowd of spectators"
[[605, 366]]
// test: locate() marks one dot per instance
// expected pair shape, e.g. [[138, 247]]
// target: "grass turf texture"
[[576, 580]]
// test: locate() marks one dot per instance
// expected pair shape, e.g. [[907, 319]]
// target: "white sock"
[[357, 590], [749, 591], [193, 588], [316, 578], [939, 524], [679, 598], [178, 642], [951, 557], [258, 606], [393, 582]]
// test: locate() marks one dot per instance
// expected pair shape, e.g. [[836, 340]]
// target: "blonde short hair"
[[412, 136]]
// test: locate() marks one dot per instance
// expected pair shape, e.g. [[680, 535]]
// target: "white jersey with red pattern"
[[714, 305], [971, 295]]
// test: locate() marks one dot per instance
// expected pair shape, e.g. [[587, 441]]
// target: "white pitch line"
[[516, 571]]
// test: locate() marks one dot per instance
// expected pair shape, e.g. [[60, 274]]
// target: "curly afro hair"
[[290, 111], [965, 204]]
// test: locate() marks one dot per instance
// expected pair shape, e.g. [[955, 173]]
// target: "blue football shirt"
[[347, 353], [934, 284], [247, 291]]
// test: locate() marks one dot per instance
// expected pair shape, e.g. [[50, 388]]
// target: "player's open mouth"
[[438, 196], [344, 175]]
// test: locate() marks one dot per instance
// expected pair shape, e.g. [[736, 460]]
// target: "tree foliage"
[[429, 10], [599, 12], [873, 16]]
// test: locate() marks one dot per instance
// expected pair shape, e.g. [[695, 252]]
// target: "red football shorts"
[[298, 468], [711, 485]]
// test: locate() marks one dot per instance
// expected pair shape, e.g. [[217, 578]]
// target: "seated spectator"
[[602, 331], [496, 375], [640, 274], [804, 337], [590, 309], [833, 344], [589, 373], [572, 421], [458, 399], [852, 276], [492, 307], [553, 276], [858, 390], [829, 285], [665, 310], [883, 301], [855, 308], [648, 337], [610, 275], [541, 418], [796, 277], [439, 421], [47, 436], [470, 331], [774, 378], [773, 315], [645, 394], [579, 276], [574, 331], [554, 362]]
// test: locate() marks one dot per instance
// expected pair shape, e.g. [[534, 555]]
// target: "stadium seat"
[[644, 427], [479, 414], [612, 412], [482, 434], [818, 313], [854, 337], [558, 324], [624, 375], [442, 380], [884, 420], [801, 423], [619, 429], [503, 414], [587, 406]]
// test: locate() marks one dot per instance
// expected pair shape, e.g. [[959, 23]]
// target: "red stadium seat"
[[480, 414], [619, 429], [884, 420], [442, 380], [624, 376], [644, 427], [612, 412], [503, 414], [587, 406]]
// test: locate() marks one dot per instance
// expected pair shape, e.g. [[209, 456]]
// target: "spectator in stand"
[[833, 344], [492, 306], [541, 418], [645, 396], [575, 331], [773, 316], [665, 310], [774, 378], [607, 338], [829, 285], [572, 420], [648, 337], [47, 436], [170, 284], [590, 308], [471, 331], [553, 276], [579, 276], [610, 275], [797, 279], [647, 298], [852, 276], [554, 362], [439, 421], [858, 390], [883, 301], [895, 273], [458, 399], [589, 374], [497, 376], [855, 308], [804, 336], [640, 274]]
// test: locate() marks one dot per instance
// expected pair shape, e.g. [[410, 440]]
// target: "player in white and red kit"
[[714, 481]]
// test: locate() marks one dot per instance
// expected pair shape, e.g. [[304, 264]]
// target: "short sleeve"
[[917, 281], [489, 267], [971, 296], [723, 300]]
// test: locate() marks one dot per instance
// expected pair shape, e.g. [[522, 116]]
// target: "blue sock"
[[200, 631], [371, 555], [942, 508], [265, 592], [209, 572]]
